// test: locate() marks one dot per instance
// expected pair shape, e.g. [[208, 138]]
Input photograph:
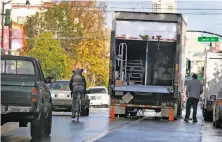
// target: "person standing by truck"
[[193, 91]]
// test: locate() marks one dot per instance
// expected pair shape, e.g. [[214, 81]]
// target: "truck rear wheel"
[[48, 122], [217, 124], [87, 112], [208, 116], [37, 126]]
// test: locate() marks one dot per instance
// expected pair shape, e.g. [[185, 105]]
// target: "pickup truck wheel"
[[48, 122], [37, 126]]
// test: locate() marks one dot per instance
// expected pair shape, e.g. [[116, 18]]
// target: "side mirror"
[[50, 80]]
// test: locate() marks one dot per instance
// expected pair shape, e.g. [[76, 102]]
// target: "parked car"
[[61, 95], [24, 95], [98, 96], [62, 98], [217, 110]]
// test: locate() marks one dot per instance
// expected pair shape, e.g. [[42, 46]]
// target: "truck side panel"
[[182, 58], [213, 75]]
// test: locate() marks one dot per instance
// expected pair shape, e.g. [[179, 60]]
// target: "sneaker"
[[186, 120], [195, 120]]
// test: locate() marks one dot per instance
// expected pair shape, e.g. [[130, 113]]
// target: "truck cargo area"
[[141, 59]]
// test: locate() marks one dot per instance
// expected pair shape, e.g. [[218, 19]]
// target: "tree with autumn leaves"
[[79, 28]]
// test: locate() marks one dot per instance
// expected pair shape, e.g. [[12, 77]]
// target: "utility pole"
[[3, 10], [10, 38], [3, 14]]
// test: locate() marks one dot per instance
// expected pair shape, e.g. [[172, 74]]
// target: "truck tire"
[[179, 111], [87, 112], [37, 126], [208, 116], [48, 122], [217, 124]]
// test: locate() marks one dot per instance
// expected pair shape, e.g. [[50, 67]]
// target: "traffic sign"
[[208, 39]]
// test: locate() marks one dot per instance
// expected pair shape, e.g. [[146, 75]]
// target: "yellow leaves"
[[91, 54], [51, 56], [70, 20]]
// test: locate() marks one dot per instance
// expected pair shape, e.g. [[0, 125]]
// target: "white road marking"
[[106, 132]]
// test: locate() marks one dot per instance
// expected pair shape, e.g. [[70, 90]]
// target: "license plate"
[[61, 95]]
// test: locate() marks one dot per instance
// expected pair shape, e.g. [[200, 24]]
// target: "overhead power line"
[[213, 24], [211, 9]]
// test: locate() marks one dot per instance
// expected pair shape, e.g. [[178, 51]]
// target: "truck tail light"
[[115, 101], [35, 93]]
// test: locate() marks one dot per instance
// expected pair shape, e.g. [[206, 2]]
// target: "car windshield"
[[17, 67], [96, 90], [60, 85]]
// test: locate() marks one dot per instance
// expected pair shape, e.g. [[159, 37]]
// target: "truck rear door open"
[[145, 61]]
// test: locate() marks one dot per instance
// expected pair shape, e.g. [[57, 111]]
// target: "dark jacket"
[[77, 79]]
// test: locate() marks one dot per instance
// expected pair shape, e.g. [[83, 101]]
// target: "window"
[[2, 66], [21, 20], [17, 67], [96, 90], [60, 85], [25, 67], [10, 66]]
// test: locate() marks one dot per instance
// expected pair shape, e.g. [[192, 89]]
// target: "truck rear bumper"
[[136, 105], [15, 109], [17, 114], [120, 108]]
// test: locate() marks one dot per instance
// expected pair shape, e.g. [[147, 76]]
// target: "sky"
[[209, 18], [204, 15]]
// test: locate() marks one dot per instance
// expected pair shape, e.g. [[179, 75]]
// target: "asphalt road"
[[98, 127]]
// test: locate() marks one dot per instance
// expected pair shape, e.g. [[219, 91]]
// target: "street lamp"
[[3, 14]]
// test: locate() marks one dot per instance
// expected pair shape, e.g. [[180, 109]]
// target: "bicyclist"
[[77, 84]]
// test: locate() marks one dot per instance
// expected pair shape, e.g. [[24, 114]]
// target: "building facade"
[[19, 13]]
